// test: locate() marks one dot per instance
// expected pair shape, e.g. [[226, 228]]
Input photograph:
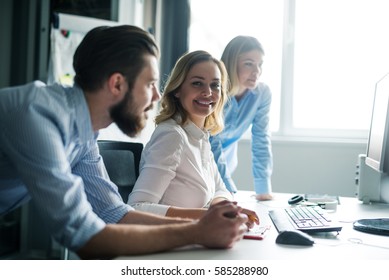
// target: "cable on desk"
[[351, 241], [360, 242]]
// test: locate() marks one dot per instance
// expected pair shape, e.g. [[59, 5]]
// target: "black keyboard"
[[307, 219]]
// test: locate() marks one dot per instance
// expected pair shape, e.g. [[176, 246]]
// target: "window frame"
[[287, 130]]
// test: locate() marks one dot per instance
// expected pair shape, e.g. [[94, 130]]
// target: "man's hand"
[[222, 225]]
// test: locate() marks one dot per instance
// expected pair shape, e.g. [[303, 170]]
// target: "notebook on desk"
[[308, 219]]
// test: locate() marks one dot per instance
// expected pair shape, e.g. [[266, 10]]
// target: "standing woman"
[[249, 105]]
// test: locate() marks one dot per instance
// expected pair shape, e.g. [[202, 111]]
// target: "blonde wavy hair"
[[170, 105], [234, 49]]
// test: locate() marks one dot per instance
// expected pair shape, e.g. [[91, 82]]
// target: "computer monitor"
[[377, 155], [373, 181]]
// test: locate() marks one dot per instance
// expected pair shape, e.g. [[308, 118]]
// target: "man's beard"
[[123, 114]]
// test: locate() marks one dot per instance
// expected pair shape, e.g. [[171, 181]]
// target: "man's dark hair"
[[106, 50]]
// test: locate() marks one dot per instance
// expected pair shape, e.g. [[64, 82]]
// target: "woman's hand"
[[252, 217], [222, 225], [264, 196]]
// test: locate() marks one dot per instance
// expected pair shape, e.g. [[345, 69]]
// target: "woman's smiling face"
[[200, 91]]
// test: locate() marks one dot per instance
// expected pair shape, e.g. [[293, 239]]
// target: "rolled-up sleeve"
[[45, 148], [261, 145]]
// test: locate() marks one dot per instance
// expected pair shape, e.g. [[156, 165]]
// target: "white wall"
[[305, 167], [299, 166]]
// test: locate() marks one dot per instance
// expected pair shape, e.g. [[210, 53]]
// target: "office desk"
[[347, 245]]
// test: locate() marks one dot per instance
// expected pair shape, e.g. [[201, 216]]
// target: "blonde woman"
[[249, 107], [178, 174]]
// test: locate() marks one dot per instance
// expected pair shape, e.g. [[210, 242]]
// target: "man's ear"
[[117, 84]]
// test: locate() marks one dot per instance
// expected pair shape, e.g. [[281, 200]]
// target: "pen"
[[253, 218]]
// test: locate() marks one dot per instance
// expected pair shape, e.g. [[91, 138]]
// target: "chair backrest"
[[121, 160]]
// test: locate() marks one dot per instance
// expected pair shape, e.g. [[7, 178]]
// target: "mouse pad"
[[375, 226]]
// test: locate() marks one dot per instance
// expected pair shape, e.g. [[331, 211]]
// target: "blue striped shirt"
[[251, 110], [48, 153]]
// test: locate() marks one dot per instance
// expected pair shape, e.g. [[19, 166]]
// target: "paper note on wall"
[[66, 34]]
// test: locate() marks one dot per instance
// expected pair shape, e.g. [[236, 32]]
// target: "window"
[[214, 23], [322, 57]]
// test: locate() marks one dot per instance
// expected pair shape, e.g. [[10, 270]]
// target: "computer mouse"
[[294, 237]]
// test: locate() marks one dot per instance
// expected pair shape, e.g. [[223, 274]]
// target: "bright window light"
[[341, 51], [322, 57], [215, 22]]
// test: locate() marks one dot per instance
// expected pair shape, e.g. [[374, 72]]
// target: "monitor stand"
[[372, 186]]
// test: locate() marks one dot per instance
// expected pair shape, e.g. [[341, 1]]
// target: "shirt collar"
[[195, 131], [247, 93], [192, 129], [83, 120]]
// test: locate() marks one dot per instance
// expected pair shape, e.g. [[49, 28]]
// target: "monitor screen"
[[377, 152]]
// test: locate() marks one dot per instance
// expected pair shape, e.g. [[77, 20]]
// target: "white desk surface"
[[348, 244]]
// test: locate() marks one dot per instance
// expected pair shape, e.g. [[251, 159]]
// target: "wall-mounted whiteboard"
[[66, 33]]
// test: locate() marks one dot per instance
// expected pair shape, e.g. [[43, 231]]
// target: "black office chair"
[[121, 160]]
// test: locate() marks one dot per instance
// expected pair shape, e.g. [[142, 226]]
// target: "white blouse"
[[177, 168]]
